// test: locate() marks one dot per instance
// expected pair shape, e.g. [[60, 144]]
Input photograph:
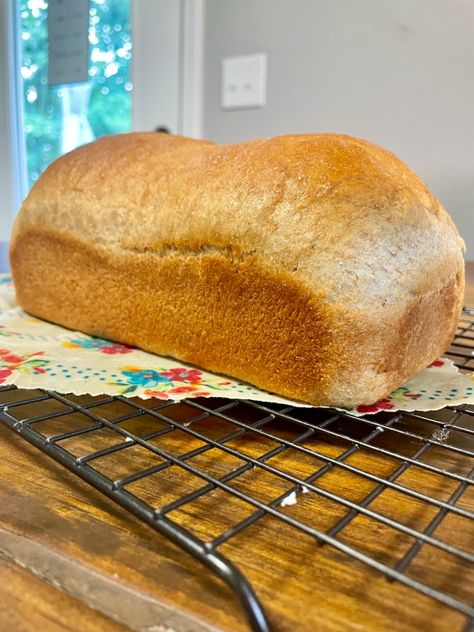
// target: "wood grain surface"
[[32, 605], [98, 556]]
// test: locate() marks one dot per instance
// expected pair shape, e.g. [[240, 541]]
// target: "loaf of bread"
[[318, 267]]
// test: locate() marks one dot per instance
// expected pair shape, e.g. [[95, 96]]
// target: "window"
[[39, 123], [58, 119]]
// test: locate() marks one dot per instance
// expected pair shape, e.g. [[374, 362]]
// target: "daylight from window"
[[59, 118]]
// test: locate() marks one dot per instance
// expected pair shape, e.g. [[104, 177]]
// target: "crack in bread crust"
[[229, 316]]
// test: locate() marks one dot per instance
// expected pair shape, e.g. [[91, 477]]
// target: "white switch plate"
[[244, 81]]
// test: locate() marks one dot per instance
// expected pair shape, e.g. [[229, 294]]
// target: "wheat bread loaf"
[[318, 267]]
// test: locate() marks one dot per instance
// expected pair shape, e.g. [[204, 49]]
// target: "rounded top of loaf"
[[340, 213]]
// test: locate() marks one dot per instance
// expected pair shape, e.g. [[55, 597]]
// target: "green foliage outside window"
[[109, 109]]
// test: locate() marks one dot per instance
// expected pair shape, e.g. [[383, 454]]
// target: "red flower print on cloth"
[[383, 404], [436, 363], [158, 394], [4, 373], [176, 391], [183, 389], [97, 344], [187, 389], [9, 362], [183, 375], [9, 357], [114, 348]]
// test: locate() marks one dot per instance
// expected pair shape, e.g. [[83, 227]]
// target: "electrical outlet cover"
[[244, 80]]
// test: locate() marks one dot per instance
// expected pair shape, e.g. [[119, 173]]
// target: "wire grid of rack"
[[158, 459]]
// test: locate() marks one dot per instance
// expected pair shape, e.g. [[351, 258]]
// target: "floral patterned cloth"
[[38, 354]]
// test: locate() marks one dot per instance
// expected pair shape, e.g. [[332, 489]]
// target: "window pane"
[[57, 119]]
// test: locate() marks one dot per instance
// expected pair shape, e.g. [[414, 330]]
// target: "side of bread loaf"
[[318, 267]]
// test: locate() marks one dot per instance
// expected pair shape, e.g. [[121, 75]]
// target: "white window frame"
[[192, 75], [12, 171], [171, 96]]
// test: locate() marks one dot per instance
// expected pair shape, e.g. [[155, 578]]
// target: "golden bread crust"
[[318, 267]]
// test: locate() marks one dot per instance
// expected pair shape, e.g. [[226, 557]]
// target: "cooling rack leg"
[[216, 562], [222, 567], [255, 614]]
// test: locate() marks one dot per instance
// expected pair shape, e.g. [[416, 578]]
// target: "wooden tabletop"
[[31, 604], [68, 554]]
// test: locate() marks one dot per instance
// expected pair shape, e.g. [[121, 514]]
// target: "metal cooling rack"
[[92, 437]]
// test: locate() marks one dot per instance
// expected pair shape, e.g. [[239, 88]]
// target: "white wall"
[[167, 65], [156, 64], [398, 73]]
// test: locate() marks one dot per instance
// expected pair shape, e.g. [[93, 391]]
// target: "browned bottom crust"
[[229, 315]]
